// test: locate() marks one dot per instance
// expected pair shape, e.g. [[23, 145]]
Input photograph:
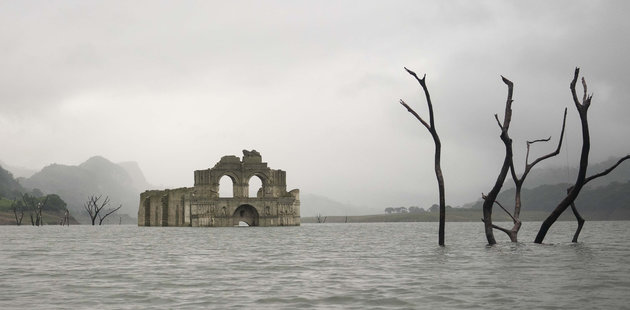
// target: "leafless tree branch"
[[505, 167], [415, 114], [507, 231], [582, 109], [576, 213], [95, 208], [438, 149]]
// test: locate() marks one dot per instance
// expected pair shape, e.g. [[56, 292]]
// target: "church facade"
[[202, 206]]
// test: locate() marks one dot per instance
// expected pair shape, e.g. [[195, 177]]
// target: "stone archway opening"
[[226, 187], [246, 214], [255, 187]]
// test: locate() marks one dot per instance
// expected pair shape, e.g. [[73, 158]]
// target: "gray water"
[[318, 266]]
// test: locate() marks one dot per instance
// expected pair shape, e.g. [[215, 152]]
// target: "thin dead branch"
[[430, 126], [96, 208], [582, 108], [576, 213]]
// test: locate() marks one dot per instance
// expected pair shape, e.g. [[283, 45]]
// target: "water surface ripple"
[[317, 266]]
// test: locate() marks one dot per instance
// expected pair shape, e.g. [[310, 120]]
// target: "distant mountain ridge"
[[605, 198], [607, 202], [9, 187], [18, 172], [123, 183], [96, 176], [137, 176], [557, 175], [312, 205], [13, 194]]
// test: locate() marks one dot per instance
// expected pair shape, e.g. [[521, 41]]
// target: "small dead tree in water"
[[94, 207], [18, 211], [574, 191], [320, 219], [32, 203], [518, 182], [438, 150], [579, 217], [490, 199], [66, 218]]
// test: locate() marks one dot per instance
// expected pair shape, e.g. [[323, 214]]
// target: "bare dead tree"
[[34, 206], [66, 218], [490, 199], [18, 211], [438, 149], [40, 208], [102, 216], [582, 108], [518, 182], [95, 208], [320, 219], [579, 217], [30, 206]]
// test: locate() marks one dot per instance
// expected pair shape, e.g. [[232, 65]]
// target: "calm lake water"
[[319, 266]]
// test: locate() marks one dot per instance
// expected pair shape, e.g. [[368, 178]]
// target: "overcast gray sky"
[[312, 85]]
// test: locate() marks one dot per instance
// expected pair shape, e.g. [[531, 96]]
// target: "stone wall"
[[201, 205]]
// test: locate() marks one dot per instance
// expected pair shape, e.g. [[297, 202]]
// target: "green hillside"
[[96, 176], [608, 202], [52, 214], [9, 187]]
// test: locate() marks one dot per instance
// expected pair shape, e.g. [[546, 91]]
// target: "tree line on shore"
[[414, 209], [42, 209]]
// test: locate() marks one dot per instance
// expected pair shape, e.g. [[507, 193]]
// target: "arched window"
[[226, 187], [255, 184]]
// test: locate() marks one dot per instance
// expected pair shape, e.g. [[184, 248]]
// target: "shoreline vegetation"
[[453, 215]]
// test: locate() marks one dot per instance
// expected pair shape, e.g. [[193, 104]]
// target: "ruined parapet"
[[202, 206], [251, 157]]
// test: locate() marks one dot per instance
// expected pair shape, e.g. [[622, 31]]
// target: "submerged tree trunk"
[[582, 108], [18, 211], [34, 206], [579, 217], [490, 199], [580, 221], [438, 151], [94, 208], [508, 165], [518, 182]]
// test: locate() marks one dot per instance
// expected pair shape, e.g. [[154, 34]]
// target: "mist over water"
[[319, 266]]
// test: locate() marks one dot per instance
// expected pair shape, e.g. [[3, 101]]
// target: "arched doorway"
[[247, 214], [226, 186], [255, 187]]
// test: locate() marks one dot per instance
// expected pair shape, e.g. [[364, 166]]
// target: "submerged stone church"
[[201, 205]]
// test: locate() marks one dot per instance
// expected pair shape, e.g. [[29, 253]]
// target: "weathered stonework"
[[201, 205]]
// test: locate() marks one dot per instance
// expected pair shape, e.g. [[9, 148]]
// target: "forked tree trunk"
[[582, 108], [19, 214], [580, 221], [490, 199], [438, 151], [579, 217], [518, 182], [508, 164]]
